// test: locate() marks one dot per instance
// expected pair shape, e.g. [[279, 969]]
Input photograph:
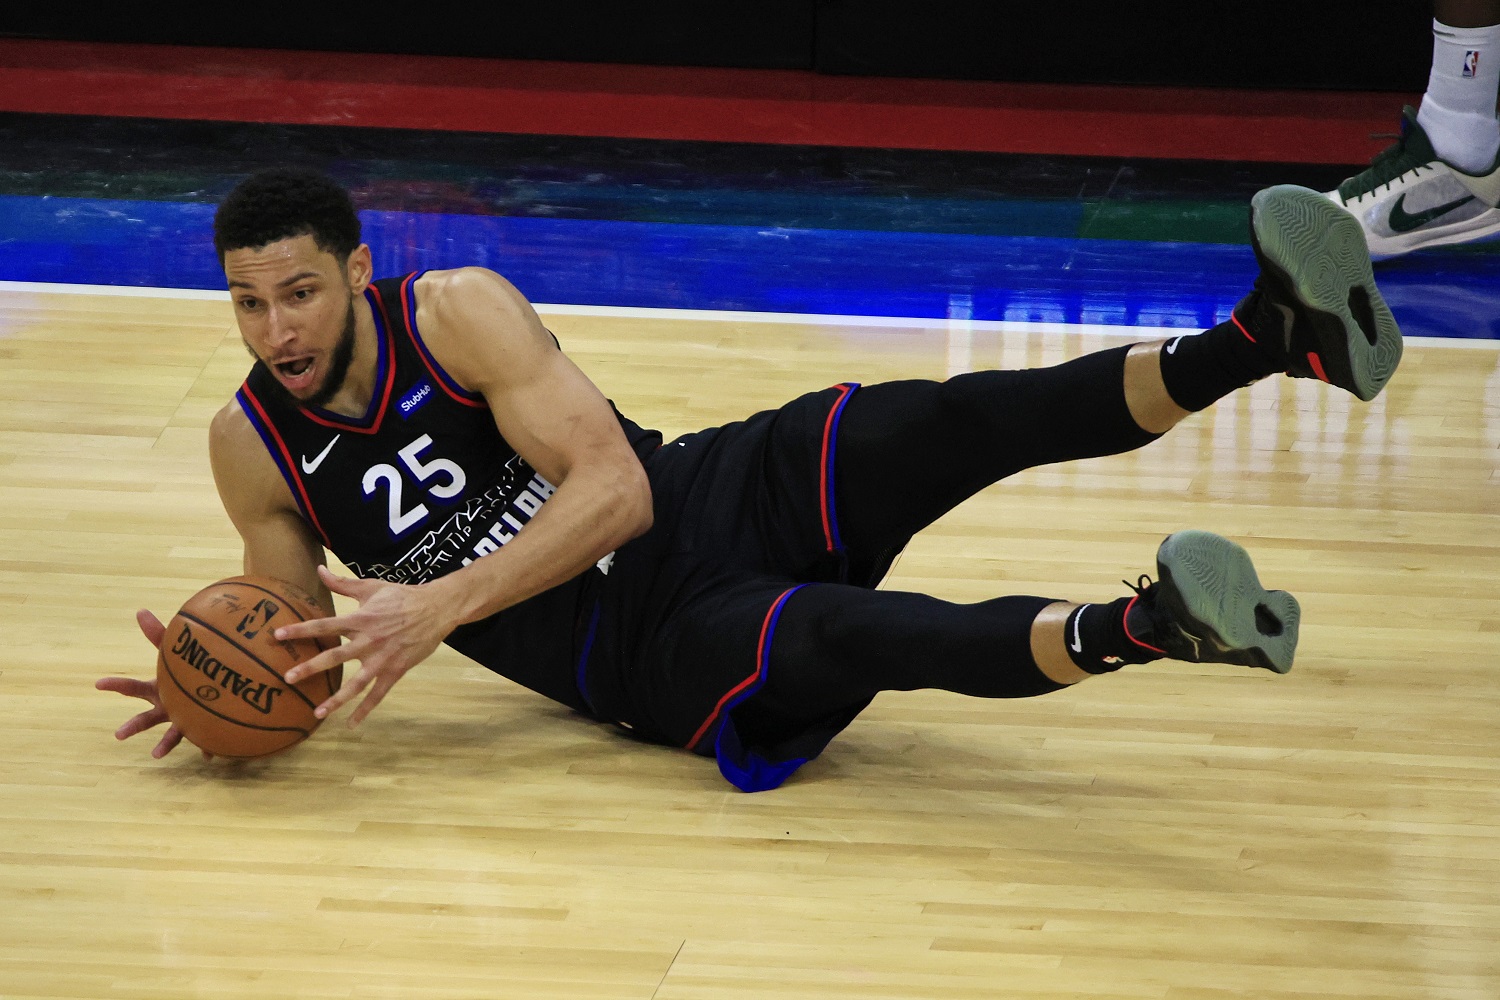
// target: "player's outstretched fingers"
[[347, 586], [151, 627], [320, 630], [168, 743], [377, 694], [328, 659], [133, 688], [351, 689]]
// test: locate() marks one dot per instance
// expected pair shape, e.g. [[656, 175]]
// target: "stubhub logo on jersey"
[[415, 398]]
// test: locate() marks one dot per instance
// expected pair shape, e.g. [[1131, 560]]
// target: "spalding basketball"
[[221, 670]]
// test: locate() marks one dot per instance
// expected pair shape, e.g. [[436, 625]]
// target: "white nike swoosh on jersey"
[[311, 467], [1172, 347], [1077, 644]]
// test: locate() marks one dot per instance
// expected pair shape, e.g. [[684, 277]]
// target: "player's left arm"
[[487, 336], [492, 341]]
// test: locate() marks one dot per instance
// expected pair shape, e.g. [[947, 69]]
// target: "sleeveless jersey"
[[419, 485]]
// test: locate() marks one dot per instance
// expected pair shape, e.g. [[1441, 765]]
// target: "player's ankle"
[[1462, 139], [1104, 637]]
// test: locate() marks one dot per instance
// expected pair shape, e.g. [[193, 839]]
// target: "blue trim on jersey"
[[833, 444], [273, 446], [409, 286], [746, 770], [581, 680], [385, 351]]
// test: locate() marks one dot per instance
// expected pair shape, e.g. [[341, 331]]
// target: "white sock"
[[1458, 110]]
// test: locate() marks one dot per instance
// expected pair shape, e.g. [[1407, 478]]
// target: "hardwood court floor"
[[1172, 831]]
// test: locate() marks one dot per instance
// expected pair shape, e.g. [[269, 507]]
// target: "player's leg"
[[1440, 182], [837, 645], [908, 452]]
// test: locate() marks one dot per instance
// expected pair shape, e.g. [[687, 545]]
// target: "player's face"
[[294, 304]]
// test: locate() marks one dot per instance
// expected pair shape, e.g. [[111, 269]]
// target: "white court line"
[[729, 316], [130, 291]]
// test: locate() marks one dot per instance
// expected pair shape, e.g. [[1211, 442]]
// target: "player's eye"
[[248, 303]]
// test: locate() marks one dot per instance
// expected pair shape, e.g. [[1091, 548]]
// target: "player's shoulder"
[[232, 432], [244, 470], [467, 314], [459, 290]]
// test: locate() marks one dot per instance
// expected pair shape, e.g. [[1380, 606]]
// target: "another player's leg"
[[1440, 182]]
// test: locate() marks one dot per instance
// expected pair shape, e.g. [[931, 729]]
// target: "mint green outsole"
[[1322, 252], [1235, 619]]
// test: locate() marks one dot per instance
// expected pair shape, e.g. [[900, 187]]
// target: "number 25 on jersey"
[[440, 477]]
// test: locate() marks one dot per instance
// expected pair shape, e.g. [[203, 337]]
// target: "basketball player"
[[715, 592], [1440, 182]]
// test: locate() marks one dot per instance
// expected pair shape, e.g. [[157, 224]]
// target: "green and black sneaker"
[[1315, 275], [1207, 606]]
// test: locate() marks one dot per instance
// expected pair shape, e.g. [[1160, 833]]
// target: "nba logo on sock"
[[1471, 63]]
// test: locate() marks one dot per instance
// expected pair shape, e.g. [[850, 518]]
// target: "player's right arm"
[[278, 543], [278, 540]]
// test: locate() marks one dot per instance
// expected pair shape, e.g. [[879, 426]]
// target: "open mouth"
[[296, 374]]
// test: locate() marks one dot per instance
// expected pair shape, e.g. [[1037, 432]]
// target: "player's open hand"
[[395, 628], [154, 716]]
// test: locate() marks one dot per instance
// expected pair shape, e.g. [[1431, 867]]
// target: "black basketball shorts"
[[679, 630]]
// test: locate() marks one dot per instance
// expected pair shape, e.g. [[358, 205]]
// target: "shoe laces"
[[1410, 153], [1150, 635]]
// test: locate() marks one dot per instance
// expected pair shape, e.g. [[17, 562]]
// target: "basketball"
[[220, 671]]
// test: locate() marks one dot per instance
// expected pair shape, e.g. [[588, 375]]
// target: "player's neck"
[[353, 397]]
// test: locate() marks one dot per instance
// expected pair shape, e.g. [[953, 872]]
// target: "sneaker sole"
[[1210, 585], [1317, 251]]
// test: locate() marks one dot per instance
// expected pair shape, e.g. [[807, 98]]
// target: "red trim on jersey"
[[445, 381], [824, 494], [286, 462], [374, 290], [384, 392], [761, 660]]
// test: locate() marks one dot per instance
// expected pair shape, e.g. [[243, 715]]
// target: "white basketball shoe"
[[1409, 198]]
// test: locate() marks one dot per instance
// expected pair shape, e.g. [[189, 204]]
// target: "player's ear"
[[358, 269]]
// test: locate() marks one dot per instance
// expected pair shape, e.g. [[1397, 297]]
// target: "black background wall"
[[1338, 44], [1343, 44]]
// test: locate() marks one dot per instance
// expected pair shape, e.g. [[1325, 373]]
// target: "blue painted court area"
[[827, 271]]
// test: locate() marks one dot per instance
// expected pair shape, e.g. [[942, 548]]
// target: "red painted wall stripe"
[[728, 105]]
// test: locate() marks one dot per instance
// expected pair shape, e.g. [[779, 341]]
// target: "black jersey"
[[419, 485]]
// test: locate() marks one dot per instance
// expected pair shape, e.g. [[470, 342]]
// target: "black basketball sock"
[[1098, 638], [1199, 369]]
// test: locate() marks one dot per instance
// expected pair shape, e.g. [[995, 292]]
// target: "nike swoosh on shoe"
[[1402, 221]]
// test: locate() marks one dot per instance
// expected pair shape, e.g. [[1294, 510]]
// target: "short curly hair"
[[282, 203]]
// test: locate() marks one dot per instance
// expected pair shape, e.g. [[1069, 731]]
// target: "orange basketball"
[[221, 671]]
